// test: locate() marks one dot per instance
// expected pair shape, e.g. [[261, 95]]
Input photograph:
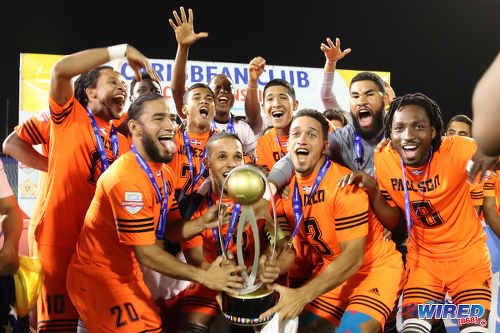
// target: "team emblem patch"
[[133, 202]]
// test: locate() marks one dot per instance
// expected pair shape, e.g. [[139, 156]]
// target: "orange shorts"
[[54, 307], [108, 305], [373, 291], [198, 298], [467, 279]]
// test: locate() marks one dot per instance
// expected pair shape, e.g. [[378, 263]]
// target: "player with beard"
[[447, 249], [82, 145], [352, 145], [350, 287], [220, 84], [127, 214]]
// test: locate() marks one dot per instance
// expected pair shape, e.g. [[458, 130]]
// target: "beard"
[[376, 128], [153, 152]]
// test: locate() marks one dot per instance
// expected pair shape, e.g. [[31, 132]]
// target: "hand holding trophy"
[[246, 185]]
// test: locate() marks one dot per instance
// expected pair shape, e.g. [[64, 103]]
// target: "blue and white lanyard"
[[189, 153], [407, 197], [232, 223], [160, 229], [100, 144], [279, 145], [297, 199], [229, 128]]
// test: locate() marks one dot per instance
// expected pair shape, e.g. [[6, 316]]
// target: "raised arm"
[[486, 110], [332, 53], [252, 106], [185, 36], [61, 88]]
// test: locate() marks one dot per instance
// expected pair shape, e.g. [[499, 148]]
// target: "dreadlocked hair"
[[87, 80], [431, 109]]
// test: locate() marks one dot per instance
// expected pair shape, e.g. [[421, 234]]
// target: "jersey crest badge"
[[133, 202]]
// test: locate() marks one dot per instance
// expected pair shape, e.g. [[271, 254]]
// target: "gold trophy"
[[246, 184]]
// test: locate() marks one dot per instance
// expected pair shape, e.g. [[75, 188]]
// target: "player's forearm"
[[12, 225], [491, 214], [388, 215], [163, 262], [252, 107], [327, 96], [486, 110], [179, 77], [282, 172], [80, 62], [181, 231], [342, 268], [24, 152]]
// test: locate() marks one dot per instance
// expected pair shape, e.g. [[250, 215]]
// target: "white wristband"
[[117, 51]]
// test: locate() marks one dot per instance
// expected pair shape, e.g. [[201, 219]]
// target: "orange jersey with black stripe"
[[491, 188], [211, 246], [74, 167], [180, 162], [36, 131], [335, 215], [444, 220], [124, 212], [268, 152]]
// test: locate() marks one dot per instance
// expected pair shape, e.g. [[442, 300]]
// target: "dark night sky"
[[438, 47]]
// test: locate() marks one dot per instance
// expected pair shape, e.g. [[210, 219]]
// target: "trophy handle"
[[247, 214]]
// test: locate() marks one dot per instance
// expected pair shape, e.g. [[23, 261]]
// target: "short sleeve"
[[5, 189], [35, 130], [60, 113], [350, 210], [134, 213], [476, 194], [489, 186]]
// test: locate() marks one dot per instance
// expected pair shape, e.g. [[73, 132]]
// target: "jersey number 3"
[[311, 228]]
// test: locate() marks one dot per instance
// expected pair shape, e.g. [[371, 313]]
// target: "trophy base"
[[244, 310]]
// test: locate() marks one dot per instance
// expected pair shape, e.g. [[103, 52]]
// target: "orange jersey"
[[335, 215], [74, 167], [445, 222], [124, 212], [268, 152], [211, 246], [180, 162], [36, 131]]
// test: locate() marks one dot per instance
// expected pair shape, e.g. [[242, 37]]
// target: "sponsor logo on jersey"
[[133, 202]]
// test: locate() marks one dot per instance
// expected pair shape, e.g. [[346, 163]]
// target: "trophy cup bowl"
[[246, 185]]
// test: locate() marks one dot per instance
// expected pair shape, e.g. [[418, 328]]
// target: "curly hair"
[[87, 80], [431, 109]]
